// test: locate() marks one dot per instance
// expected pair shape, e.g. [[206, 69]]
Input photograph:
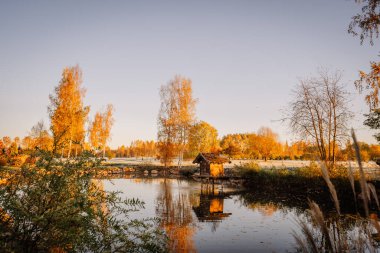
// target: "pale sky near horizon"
[[244, 58]]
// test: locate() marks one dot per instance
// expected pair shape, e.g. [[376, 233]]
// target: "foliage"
[[100, 129], [202, 138], [368, 21], [138, 148], [39, 137], [58, 207], [176, 115], [371, 83], [373, 121], [267, 143], [3, 161], [66, 110]]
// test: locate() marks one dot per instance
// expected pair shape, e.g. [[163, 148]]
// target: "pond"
[[198, 218]]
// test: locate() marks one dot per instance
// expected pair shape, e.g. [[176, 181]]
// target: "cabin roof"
[[210, 158]]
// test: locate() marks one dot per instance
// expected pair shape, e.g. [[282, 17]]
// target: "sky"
[[243, 57]]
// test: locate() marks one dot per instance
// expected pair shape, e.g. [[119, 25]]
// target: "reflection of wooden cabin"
[[210, 208], [210, 164]]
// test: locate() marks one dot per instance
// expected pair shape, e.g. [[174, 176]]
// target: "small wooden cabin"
[[210, 164]]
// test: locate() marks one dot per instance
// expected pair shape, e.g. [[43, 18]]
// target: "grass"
[[308, 181], [330, 236]]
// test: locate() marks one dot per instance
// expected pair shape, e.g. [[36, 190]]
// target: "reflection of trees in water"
[[266, 209], [175, 212], [210, 206], [269, 202]]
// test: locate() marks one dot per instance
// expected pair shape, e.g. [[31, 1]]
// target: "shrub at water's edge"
[[58, 206]]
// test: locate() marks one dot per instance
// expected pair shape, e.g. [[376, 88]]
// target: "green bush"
[[58, 206]]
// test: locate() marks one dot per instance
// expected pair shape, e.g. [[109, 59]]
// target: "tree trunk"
[[180, 157], [70, 143]]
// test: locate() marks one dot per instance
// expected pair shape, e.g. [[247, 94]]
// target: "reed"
[[331, 187], [329, 236], [363, 183], [352, 181]]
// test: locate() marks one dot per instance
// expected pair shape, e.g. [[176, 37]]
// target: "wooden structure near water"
[[210, 164]]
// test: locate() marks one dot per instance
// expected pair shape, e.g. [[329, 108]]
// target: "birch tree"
[[100, 129], [67, 112], [176, 116]]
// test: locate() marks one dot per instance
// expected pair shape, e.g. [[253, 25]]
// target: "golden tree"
[[95, 131], [233, 145], [66, 110], [7, 141], [100, 129], [268, 145], [40, 137], [27, 143], [203, 138], [176, 115]]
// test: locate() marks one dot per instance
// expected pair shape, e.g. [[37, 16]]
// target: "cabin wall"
[[216, 170], [204, 168]]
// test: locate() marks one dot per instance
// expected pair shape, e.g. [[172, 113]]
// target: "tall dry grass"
[[323, 235]]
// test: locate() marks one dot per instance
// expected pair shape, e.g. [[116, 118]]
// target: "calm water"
[[200, 220]]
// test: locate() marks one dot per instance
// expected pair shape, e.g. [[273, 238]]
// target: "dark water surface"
[[198, 219]]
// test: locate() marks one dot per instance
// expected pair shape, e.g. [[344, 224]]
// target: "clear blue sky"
[[243, 57]]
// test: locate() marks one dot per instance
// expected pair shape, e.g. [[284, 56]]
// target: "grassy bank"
[[302, 184]]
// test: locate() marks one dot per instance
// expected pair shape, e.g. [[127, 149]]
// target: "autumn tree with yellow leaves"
[[100, 129], [267, 144], [202, 138], [67, 112], [176, 116], [38, 138], [7, 141]]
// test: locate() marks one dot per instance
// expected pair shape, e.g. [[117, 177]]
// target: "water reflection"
[[210, 205], [198, 218], [174, 209]]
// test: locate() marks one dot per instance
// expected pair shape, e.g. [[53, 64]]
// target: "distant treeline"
[[252, 146], [261, 145]]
